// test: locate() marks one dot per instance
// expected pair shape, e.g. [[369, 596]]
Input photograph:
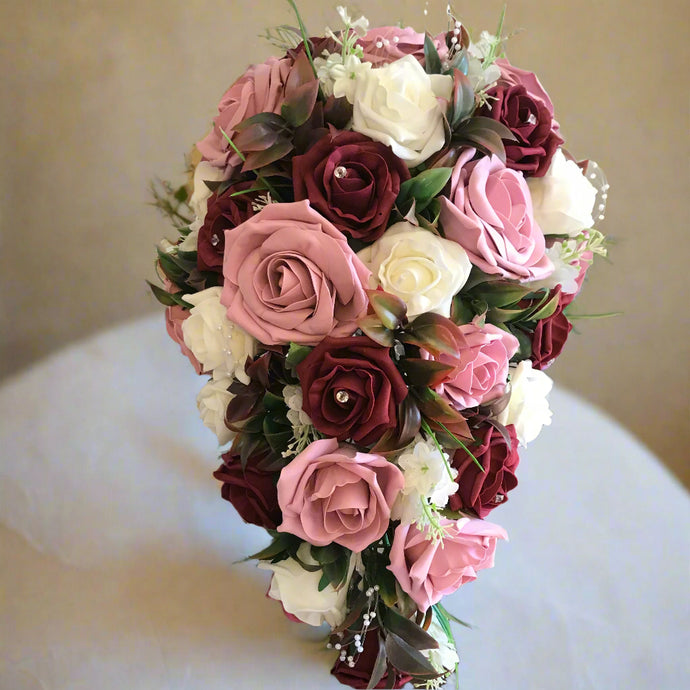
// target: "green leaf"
[[323, 582], [374, 329], [424, 372], [274, 121], [432, 61], [450, 616], [546, 309], [423, 188], [406, 658], [379, 669], [326, 554], [336, 572], [296, 354], [432, 332], [297, 109], [408, 630], [463, 98], [281, 543], [260, 159], [166, 298], [257, 137], [389, 308]]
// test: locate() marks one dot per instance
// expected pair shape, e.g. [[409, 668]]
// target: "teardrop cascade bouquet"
[[375, 258]]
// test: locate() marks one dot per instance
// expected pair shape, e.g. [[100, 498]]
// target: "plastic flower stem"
[[428, 430], [305, 35], [462, 445], [259, 176]]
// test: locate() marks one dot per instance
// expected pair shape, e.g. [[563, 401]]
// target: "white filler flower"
[[428, 480]]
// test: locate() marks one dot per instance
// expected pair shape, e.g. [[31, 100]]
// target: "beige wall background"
[[98, 97]]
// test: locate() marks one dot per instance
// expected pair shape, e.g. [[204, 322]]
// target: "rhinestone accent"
[[340, 172], [215, 240], [342, 396]]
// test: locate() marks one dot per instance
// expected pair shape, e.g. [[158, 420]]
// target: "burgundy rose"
[[550, 334], [519, 101], [351, 180], [480, 491], [351, 388], [358, 675], [251, 490], [224, 213]]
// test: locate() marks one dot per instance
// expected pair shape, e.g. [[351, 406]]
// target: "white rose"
[[213, 401], [424, 270], [298, 590], [396, 105], [199, 201], [220, 345], [528, 408], [563, 198]]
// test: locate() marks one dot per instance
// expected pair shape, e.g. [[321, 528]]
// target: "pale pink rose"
[[429, 570], [489, 213], [332, 493], [261, 89], [384, 44], [290, 276], [174, 318], [480, 365]]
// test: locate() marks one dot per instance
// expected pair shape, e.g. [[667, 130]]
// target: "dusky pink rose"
[[480, 365], [428, 570], [333, 493], [261, 89], [174, 318], [384, 44], [489, 213], [290, 276]]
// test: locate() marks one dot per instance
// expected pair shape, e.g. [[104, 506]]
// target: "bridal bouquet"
[[376, 253]]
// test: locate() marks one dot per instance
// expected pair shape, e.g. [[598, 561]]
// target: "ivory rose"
[[298, 590], [212, 401], [563, 199], [424, 270], [220, 345], [489, 213], [428, 570], [333, 493], [396, 105], [290, 276]]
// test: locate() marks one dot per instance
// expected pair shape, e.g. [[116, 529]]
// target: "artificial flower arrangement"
[[376, 252]]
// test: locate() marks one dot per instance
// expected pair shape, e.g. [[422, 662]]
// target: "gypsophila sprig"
[[374, 258]]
